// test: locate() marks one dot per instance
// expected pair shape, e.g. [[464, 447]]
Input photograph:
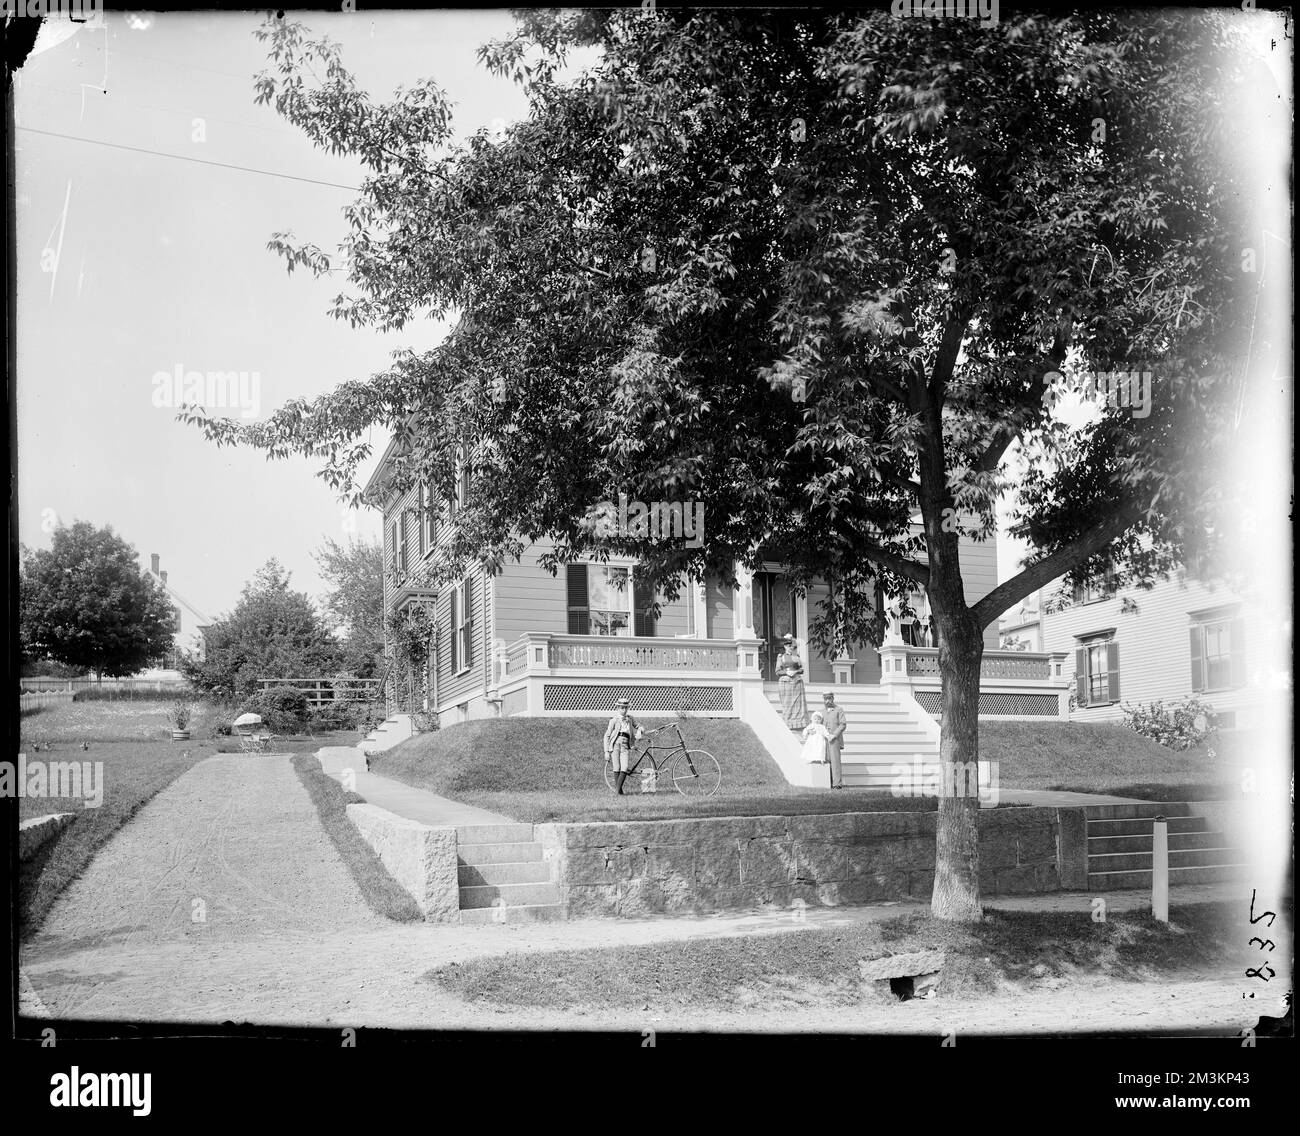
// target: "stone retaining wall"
[[419, 857], [737, 863], [35, 833]]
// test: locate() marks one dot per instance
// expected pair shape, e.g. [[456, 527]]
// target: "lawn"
[[551, 769], [127, 736], [1108, 757], [819, 965], [382, 893]]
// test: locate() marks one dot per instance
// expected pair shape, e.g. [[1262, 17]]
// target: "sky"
[[133, 265]]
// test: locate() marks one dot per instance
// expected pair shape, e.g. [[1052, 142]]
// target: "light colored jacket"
[[618, 725]]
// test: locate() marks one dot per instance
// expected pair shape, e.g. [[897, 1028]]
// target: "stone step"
[[515, 895], [530, 913], [1142, 826], [1141, 810], [1115, 881], [1178, 858], [1142, 842], [494, 834], [532, 872], [524, 852]]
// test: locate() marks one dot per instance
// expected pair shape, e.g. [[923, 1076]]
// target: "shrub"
[[113, 694], [1178, 726], [180, 716], [283, 708], [223, 727], [337, 716]]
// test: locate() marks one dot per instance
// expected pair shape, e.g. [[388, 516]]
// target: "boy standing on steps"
[[620, 732]]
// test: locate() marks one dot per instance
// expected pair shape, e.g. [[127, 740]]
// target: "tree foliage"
[[86, 604], [813, 270], [354, 603], [273, 632]]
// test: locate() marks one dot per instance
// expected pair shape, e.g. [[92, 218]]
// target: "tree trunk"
[[956, 865]]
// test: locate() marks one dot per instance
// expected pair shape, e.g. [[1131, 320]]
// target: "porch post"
[[742, 609]]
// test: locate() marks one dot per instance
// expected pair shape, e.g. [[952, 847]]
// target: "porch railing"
[[643, 653], [1021, 665]]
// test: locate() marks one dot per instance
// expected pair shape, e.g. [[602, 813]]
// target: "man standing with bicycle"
[[619, 735]]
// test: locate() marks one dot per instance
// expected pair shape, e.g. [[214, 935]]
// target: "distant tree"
[[86, 604], [272, 633], [354, 604]]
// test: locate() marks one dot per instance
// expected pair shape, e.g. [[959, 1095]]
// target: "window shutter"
[[467, 647], [579, 615], [1237, 645], [1081, 675], [1112, 671], [643, 598], [1198, 662], [430, 520], [452, 611], [419, 518]]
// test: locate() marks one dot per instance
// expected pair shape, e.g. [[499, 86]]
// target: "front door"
[[774, 617]]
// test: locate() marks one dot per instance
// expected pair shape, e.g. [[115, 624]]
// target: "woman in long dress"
[[789, 670]]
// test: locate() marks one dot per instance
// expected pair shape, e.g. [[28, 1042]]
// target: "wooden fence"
[[323, 691]]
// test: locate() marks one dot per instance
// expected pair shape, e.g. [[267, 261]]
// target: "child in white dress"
[[815, 737]]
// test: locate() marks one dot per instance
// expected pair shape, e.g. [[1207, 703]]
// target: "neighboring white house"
[[190, 626], [1180, 638]]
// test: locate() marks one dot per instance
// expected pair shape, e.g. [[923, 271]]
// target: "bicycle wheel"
[[696, 773]]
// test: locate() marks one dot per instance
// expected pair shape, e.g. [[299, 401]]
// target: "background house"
[[1182, 637], [190, 626]]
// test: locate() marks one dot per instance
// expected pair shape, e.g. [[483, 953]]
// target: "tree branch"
[[905, 566], [1056, 564], [946, 357]]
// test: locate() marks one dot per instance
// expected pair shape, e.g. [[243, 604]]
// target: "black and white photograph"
[[667, 523]]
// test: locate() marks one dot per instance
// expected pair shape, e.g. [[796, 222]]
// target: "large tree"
[[813, 270], [85, 602], [273, 632], [355, 601]]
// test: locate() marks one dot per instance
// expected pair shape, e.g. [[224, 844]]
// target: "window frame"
[[1086, 679], [462, 630], [625, 564]]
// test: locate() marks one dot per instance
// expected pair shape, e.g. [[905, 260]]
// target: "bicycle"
[[693, 772]]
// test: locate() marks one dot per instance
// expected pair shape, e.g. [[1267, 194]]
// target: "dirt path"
[[287, 939]]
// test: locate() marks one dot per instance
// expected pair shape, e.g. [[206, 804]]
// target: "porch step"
[[492, 875], [528, 913], [513, 895], [504, 876], [1121, 839], [493, 834], [1116, 881]]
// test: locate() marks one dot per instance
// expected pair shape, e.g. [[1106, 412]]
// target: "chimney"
[[163, 577], [153, 563]]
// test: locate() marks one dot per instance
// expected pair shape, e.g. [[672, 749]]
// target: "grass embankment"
[[551, 769], [126, 736], [131, 737], [1108, 757], [384, 895], [821, 965]]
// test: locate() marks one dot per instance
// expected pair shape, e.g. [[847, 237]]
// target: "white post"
[[1160, 870]]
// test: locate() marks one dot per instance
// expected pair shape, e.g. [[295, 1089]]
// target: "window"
[[419, 519], [1098, 588], [462, 640], [460, 494], [605, 599], [397, 542], [1096, 670], [1218, 653], [430, 519]]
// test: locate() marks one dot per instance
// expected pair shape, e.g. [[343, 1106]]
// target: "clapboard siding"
[[528, 598], [979, 573], [453, 687], [1154, 648], [867, 667], [718, 603]]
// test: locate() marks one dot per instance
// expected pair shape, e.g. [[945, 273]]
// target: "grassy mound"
[[524, 755], [551, 769], [1105, 757], [819, 965]]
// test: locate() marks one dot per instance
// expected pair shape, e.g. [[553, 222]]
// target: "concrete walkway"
[[399, 798]]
